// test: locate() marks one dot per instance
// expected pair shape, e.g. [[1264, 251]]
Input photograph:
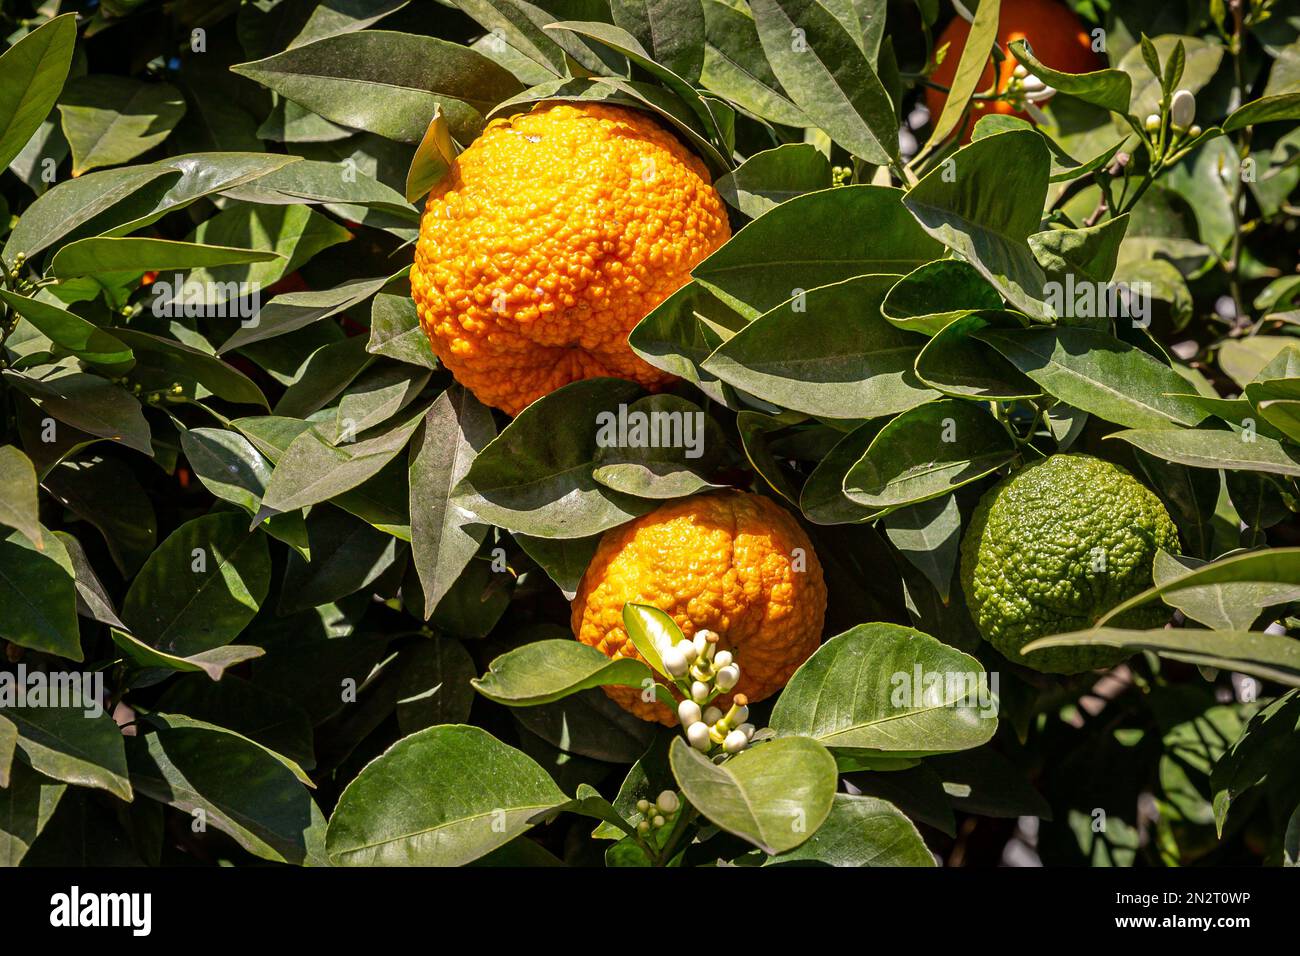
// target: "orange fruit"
[[1057, 37], [731, 562], [552, 235]]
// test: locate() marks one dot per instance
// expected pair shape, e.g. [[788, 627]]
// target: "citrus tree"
[[650, 433]]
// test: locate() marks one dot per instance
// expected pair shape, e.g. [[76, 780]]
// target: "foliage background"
[[365, 567]]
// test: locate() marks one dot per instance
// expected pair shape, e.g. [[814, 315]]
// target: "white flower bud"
[[728, 677], [1040, 96], [1032, 84], [697, 734], [667, 802], [643, 806], [687, 649], [736, 742], [1182, 109], [1020, 72], [722, 658], [748, 730], [658, 821], [1153, 122], [675, 663], [688, 712], [712, 715], [699, 692], [1194, 130], [701, 642]]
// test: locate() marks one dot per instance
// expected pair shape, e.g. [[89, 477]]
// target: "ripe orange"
[[553, 234], [732, 562], [1056, 36]]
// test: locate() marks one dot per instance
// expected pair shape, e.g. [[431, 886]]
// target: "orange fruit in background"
[[1056, 36], [550, 238], [732, 562]]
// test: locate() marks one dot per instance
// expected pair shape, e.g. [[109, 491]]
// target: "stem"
[[685, 817]]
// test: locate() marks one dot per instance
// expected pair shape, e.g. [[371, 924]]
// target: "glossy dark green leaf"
[[544, 671], [39, 596], [76, 745], [414, 805], [767, 179], [775, 794], [395, 331], [956, 362], [261, 714], [388, 83], [829, 76], [1109, 89], [18, 504], [889, 688], [435, 685], [984, 202], [860, 831], [928, 452], [927, 534], [1099, 374], [671, 31], [109, 119], [828, 352], [201, 587], [26, 804], [735, 67], [931, 296], [33, 72], [87, 402], [1214, 448], [230, 783], [815, 240], [535, 477]]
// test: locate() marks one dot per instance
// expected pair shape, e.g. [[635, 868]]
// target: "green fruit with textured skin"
[[1054, 546]]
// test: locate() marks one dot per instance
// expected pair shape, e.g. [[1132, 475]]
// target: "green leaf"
[[294, 310], [1088, 254], [652, 632], [670, 453], [1267, 109], [230, 782], [971, 67], [19, 507], [828, 352], [1100, 374], [395, 331], [26, 805], [155, 663], [543, 671], [930, 296], [87, 402], [83, 339], [433, 158], [1265, 752], [1274, 566], [861, 831], [100, 255], [956, 362], [775, 794], [434, 686], [1269, 656], [202, 586], [927, 535], [1206, 448], [74, 745], [39, 596], [443, 538], [1109, 89], [829, 77], [414, 805], [33, 71], [314, 469], [536, 476], [387, 83], [110, 120], [671, 31], [984, 202], [1226, 605], [816, 240], [1142, 63], [883, 687], [736, 69], [76, 201], [769, 178], [183, 362], [927, 452]]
